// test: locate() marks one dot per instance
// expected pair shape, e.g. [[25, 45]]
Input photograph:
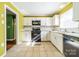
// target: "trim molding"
[[37, 16], [66, 8], [17, 21]]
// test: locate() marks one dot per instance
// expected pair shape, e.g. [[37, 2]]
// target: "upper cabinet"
[[56, 20], [76, 11], [27, 21]]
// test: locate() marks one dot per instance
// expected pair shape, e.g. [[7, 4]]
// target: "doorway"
[[10, 29]]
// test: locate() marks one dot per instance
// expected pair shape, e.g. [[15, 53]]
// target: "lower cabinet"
[[45, 36], [57, 40]]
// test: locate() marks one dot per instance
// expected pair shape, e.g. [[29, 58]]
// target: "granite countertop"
[[68, 33]]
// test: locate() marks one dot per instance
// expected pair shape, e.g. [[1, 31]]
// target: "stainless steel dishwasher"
[[71, 46]]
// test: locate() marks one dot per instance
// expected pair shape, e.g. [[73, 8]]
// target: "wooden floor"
[[10, 44], [44, 49]]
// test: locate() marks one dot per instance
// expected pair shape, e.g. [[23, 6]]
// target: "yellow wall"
[[2, 26], [66, 8]]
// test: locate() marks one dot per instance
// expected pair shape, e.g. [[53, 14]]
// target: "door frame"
[[17, 25]]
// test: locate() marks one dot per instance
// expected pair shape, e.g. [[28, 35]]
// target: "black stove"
[[36, 32]]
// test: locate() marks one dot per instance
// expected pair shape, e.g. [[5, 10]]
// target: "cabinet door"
[[76, 11], [30, 21], [44, 36], [48, 36], [53, 38], [60, 42], [27, 21], [56, 20], [43, 22]]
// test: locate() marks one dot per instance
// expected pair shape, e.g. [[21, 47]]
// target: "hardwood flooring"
[[44, 49]]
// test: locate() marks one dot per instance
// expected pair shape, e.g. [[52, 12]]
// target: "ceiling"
[[38, 8]]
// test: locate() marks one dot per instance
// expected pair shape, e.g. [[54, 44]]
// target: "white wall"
[[45, 21], [66, 20]]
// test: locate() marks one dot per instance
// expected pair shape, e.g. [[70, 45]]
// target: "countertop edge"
[[71, 34]]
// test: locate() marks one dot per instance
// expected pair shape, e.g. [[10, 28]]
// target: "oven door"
[[36, 36]]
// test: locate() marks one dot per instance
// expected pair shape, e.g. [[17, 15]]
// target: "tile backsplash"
[[74, 30]]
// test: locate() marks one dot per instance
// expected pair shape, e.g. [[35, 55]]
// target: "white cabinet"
[[52, 39], [44, 35], [76, 11], [57, 40], [43, 22], [26, 36], [56, 20], [27, 21], [48, 36]]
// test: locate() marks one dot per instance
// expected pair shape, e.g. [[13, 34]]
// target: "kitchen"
[[61, 29], [46, 29]]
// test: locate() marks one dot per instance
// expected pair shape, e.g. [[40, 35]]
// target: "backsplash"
[[73, 30]]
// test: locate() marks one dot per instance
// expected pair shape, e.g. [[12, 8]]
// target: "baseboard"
[[45, 41]]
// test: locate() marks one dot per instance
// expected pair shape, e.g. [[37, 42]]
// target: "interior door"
[[10, 27]]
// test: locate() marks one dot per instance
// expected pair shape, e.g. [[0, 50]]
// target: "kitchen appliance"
[[36, 32], [71, 46]]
